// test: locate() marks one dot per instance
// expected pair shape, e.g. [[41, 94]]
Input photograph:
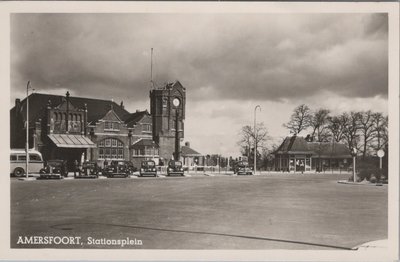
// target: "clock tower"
[[167, 108]]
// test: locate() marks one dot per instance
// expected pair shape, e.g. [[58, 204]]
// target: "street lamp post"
[[28, 85], [255, 138], [176, 102], [354, 153]]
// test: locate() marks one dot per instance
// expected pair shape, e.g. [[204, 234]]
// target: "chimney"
[[122, 104], [187, 143], [17, 105]]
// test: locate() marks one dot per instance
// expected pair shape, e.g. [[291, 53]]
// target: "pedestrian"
[[76, 167]]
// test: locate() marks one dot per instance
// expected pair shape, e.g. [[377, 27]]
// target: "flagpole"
[[27, 131]]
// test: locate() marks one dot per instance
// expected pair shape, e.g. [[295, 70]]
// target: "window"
[[34, 157], [120, 153], [101, 152], [111, 148], [107, 153], [146, 127], [22, 157], [108, 125], [13, 157]]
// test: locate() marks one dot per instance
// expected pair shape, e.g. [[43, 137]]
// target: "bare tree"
[[318, 123], [245, 142], [300, 119], [380, 123], [336, 126], [351, 130], [249, 138], [367, 130]]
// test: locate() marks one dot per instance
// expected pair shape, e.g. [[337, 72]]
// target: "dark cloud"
[[216, 56]]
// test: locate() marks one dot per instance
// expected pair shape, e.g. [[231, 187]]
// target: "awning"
[[71, 141]]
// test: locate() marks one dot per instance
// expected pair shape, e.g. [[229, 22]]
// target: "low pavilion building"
[[296, 154]]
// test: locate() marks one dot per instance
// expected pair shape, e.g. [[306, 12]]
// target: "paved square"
[[279, 211]]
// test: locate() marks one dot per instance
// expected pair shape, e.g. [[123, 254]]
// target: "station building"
[[76, 128], [299, 155]]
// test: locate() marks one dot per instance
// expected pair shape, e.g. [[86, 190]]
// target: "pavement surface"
[[214, 211]]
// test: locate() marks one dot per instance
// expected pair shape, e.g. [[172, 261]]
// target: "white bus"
[[18, 161]]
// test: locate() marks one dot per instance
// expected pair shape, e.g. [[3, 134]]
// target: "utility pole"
[[255, 139], [27, 129]]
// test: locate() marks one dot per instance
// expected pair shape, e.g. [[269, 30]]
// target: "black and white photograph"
[[151, 129]]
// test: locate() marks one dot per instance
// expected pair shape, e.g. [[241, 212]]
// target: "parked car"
[[175, 168], [54, 169], [148, 168], [90, 169], [243, 168], [118, 168]]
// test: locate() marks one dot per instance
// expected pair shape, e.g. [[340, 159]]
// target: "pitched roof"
[[144, 142], [294, 144], [187, 151], [298, 145], [133, 118], [329, 149], [96, 108]]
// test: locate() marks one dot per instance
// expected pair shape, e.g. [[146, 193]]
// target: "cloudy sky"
[[229, 63]]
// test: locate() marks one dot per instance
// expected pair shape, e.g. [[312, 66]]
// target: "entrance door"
[[300, 164]]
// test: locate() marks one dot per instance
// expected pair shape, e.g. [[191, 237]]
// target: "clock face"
[[176, 102]]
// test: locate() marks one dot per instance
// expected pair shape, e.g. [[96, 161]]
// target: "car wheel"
[[19, 171]]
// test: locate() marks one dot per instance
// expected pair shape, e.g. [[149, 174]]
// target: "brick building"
[[76, 128], [167, 107], [97, 129]]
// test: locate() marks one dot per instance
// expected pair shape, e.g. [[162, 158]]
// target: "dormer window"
[[146, 128]]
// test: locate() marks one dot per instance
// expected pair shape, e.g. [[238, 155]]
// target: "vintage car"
[[148, 168], [175, 168], [242, 168], [118, 168], [90, 169], [54, 169]]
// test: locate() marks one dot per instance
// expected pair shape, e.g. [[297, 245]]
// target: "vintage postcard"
[[200, 131]]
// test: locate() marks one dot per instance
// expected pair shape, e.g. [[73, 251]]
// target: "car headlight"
[[141, 169]]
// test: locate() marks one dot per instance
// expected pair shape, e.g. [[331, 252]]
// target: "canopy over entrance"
[[71, 141]]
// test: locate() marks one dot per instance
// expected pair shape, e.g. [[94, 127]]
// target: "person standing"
[[76, 168]]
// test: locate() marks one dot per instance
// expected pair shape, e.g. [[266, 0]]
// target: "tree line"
[[367, 131]]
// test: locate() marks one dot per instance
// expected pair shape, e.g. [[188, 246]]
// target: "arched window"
[[111, 148]]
